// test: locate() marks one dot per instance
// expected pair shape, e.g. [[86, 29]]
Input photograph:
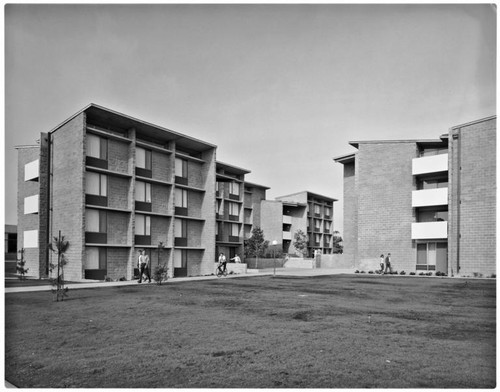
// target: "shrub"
[[422, 274], [429, 273], [160, 274], [122, 279], [394, 272], [493, 276], [370, 272], [356, 272], [362, 272], [402, 273], [108, 279], [412, 273]]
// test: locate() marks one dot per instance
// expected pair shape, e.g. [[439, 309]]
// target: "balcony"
[[31, 171], [430, 164], [429, 230], [429, 197], [287, 235], [287, 219], [31, 205]]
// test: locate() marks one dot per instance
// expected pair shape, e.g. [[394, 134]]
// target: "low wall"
[[263, 263], [335, 261], [299, 263], [235, 268]]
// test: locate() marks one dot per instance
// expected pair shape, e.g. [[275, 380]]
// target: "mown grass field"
[[342, 331]]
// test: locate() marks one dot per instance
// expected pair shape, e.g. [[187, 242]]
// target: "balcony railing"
[[429, 197], [31, 171], [287, 219], [429, 230], [430, 164], [287, 235]]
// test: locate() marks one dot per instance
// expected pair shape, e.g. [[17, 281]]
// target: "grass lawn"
[[342, 331]]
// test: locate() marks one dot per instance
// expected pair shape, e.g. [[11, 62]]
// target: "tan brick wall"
[[385, 213], [117, 259], [29, 221], [473, 201], [68, 192], [350, 234], [118, 156]]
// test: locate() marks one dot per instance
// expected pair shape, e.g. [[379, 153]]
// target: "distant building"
[[11, 243], [430, 203], [237, 208], [113, 184], [306, 211]]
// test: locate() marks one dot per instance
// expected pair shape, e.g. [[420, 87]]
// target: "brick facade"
[[472, 229], [378, 209]]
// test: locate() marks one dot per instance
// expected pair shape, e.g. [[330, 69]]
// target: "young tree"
[[337, 243], [20, 266], [300, 241], [59, 246], [256, 245]]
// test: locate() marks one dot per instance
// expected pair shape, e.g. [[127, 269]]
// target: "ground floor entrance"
[[432, 256]]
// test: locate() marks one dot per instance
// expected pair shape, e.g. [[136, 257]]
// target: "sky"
[[281, 89]]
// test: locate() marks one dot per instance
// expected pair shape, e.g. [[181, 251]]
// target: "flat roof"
[[308, 193], [346, 158], [256, 185], [231, 168], [475, 122], [124, 121], [357, 143]]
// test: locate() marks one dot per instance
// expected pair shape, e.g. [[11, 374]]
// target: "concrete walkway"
[[265, 272]]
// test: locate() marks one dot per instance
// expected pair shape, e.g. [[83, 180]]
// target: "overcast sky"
[[280, 89]]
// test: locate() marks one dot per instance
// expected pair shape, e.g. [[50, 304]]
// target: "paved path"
[[265, 272]]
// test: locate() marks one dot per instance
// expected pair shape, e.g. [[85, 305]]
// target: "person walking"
[[382, 264], [144, 266], [388, 263]]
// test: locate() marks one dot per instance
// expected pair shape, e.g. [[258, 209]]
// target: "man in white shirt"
[[144, 265]]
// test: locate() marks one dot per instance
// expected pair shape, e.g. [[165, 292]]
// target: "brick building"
[[113, 184], [237, 210], [430, 203], [306, 211]]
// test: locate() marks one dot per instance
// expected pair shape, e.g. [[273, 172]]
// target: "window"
[[432, 216], [328, 211], [143, 158], [180, 228], [328, 226], [432, 183], [317, 224], [95, 258], [143, 191], [235, 230], [142, 225], [181, 168], [96, 184], [234, 209], [317, 209], [97, 147], [234, 188], [317, 238], [180, 258], [181, 198], [96, 221]]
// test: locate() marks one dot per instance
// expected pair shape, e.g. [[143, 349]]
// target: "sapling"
[[59, 246]]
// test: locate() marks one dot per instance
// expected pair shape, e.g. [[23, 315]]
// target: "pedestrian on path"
[[143, 263]]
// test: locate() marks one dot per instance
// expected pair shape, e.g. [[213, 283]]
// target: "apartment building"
[[430, 203], [237, 209], [306, 211], [112, 185]]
